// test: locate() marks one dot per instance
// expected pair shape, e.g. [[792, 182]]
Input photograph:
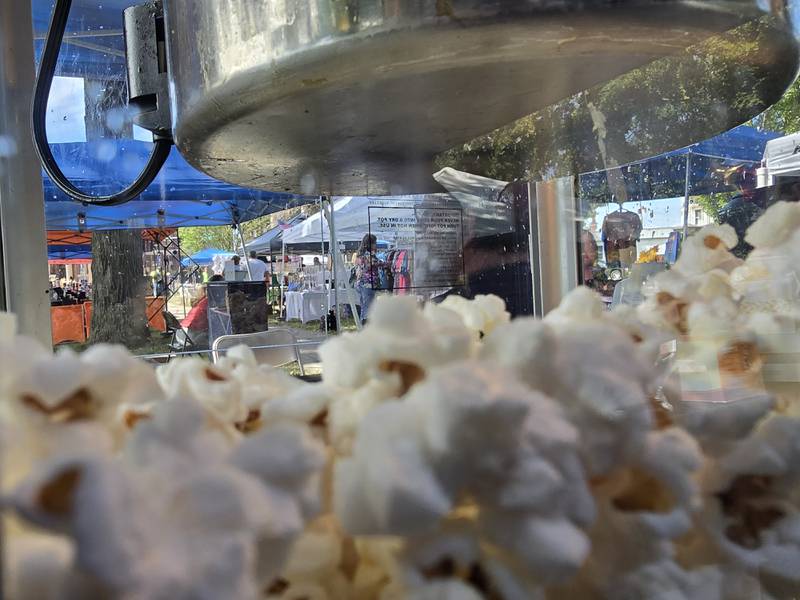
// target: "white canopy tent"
[[351, 214], [478, 197], [393, 219], [781, 159]]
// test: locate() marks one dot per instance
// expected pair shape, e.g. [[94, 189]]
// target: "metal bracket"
[[146, 57]]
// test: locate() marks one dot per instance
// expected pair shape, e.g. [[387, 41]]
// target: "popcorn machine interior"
[[558, 353]]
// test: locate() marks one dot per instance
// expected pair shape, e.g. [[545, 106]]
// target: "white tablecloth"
[[310, 306], [294, 305]]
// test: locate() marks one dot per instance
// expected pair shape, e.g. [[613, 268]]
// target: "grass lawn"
[[347, 324], [157, 343]]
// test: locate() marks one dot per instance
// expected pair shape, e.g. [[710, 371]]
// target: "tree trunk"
[[118, 283]]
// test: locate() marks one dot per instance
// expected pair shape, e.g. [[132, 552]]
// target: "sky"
[[665, 212], [66, 110]]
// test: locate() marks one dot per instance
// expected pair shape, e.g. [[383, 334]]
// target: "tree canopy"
[[223, 237], [667, 104], [194, 239]]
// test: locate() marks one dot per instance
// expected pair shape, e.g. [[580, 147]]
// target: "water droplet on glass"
[[115, 119], [106, 151], [308, 183], [8, 146]]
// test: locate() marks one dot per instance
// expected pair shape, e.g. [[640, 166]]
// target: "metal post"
[[533, 250], [22, 224], [283, 278], [686, 195], [335, 259], [164, 277], [555, 235], [180, 270], [338, 265], [244, 251], [320, 200]]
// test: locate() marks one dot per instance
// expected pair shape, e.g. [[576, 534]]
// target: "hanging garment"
[[620, 232], [400, 272]]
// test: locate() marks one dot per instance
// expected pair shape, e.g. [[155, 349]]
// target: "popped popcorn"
[[179, 510], [481, 314], [467, 431], [449, 452], [752, 513]]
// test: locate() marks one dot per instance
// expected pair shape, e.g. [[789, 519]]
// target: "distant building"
[[653, 236], [698, 217], [657, 236]]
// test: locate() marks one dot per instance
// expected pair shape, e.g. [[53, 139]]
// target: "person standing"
[[588, 250], [258, 268], [232, 267], [367, 272]]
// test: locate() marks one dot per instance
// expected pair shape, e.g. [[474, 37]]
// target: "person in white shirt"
[[258, 268], [234, 271]]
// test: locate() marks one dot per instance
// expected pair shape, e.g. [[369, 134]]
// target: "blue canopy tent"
[[723, 163], [93, 50], [93, 44], [205, 257], [709, 164], [65, 252], [179, 197], [742, 142], [93, 53]]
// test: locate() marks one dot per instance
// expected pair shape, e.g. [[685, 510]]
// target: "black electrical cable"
[[44, 80]]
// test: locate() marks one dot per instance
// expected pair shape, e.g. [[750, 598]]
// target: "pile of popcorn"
[[449, 453]]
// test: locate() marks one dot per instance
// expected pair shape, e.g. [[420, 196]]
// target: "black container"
[[236, 307]]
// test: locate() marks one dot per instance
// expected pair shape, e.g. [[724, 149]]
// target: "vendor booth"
[[180, 196], [781, 159]]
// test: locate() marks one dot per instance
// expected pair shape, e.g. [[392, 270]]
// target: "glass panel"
[[636, 443]]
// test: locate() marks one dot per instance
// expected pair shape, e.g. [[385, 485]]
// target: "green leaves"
[[668, 104]]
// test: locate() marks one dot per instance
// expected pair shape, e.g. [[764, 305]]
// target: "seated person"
[[196, 320]]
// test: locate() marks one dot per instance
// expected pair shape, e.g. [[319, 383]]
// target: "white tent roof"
[[466, 186], [782, 155], [478, 196], [351, 218]]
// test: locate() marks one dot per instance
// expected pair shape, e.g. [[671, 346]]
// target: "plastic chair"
[[282, 349]]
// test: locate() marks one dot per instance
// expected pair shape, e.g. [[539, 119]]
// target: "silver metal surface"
[[21, 197], [357, 96], [554, 232], [148, 87]]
